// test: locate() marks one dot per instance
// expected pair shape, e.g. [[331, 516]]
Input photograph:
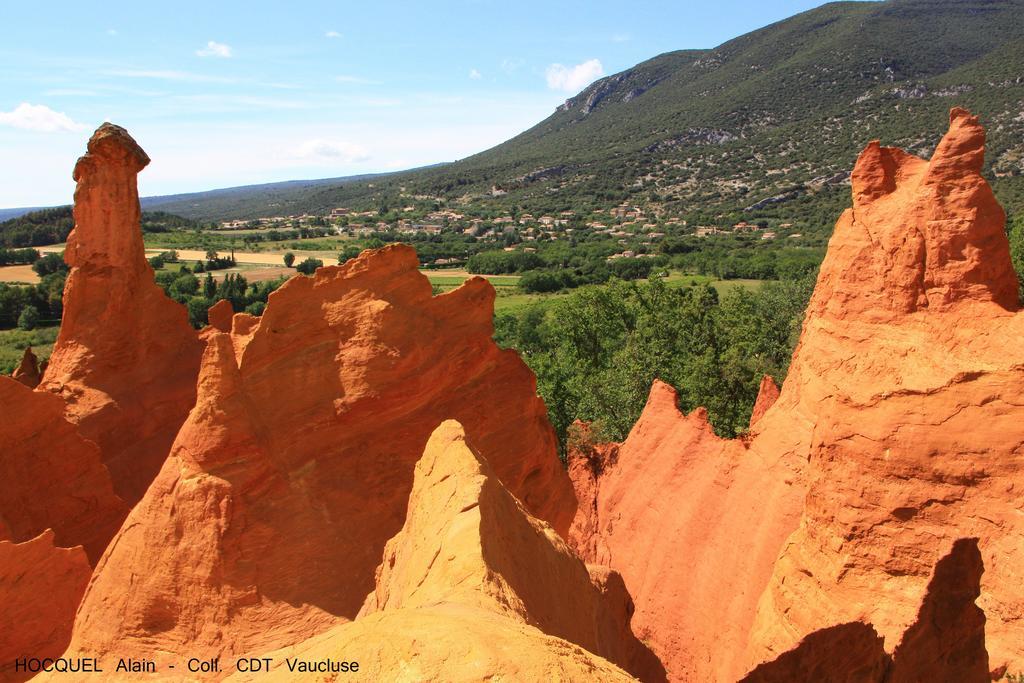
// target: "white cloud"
[[214, 49], [475, 75], [331, 151], [332, 34], [572, 79], [38, 118]]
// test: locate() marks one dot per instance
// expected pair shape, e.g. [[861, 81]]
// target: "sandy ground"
[[25, 273], [18, 274], [253, 274], [251, 258]]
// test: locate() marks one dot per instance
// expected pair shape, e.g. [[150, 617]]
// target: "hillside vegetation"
[[52, 226], [765, 126]]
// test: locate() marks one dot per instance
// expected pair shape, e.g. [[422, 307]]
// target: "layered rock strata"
[[896, 433]]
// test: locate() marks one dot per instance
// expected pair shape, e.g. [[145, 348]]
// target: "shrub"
[[29, 318], [309, 266]]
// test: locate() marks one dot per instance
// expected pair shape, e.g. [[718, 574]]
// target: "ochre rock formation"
[[475, 588], [945, 643], [27, 371], [913, 328], [897, 432], [220, 315], [693, 522], [52, 478], [867, 528], [294, 468], [40, 586], [767, 394], [126, 358], [55, 497]]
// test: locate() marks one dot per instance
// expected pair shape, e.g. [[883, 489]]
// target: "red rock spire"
[[126, 357]]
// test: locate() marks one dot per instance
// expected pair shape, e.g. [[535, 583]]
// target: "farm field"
[[18, 274]]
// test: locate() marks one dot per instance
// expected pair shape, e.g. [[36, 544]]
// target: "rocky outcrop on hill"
[[457, 596], [295, 466], [729, 507], [28, 372], [913, 328], [126, 358], [767, 395], [52, 477], [896, 433], [867, 527], [40, 586]]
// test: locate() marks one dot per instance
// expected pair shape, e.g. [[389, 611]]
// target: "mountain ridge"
[[721, 134]]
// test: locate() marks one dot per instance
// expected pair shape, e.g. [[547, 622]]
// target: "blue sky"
[[231, 93]]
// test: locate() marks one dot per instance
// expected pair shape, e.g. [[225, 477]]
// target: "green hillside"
[[51, 226], [765, 126]]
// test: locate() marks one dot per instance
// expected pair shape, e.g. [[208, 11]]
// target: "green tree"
[[1016, 237], [289, 259], [198, 310], [29, 318], [51, 263], [348, 252], [309, 266]]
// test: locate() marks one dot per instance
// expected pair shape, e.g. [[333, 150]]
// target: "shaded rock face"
[[896, 433], [946, 643], [727, 509], [494, 551], [456, 597], [28, 372], [220, 315], [126, 358], [52, 477], [40, 586], [295, 466]]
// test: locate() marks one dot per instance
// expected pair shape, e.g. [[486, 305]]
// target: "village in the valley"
[[632, 227]]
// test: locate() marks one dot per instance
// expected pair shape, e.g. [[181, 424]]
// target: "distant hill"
[[764, 126], [8, 214], [50, 226], [254, 201], [247, 201]]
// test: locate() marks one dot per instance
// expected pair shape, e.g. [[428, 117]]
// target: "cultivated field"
[[18, 274]]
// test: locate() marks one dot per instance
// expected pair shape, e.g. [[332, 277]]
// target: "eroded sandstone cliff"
[[292, 492], [896, 434], [457, 595], [295, 466]]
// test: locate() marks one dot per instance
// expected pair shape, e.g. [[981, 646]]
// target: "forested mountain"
[[763, 126]]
